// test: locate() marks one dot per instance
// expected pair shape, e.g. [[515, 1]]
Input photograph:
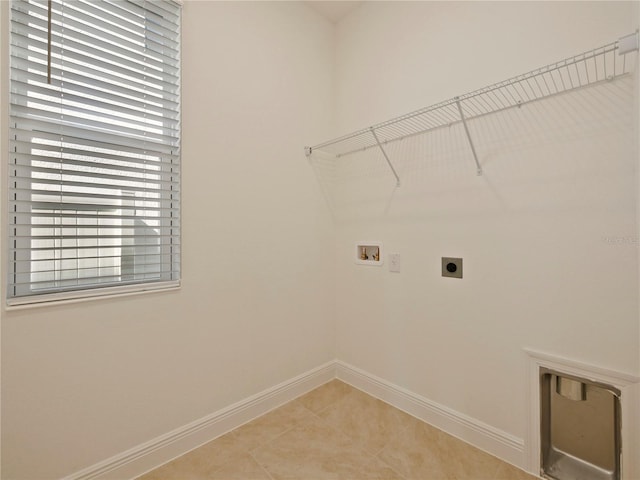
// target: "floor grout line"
[[261, 466]]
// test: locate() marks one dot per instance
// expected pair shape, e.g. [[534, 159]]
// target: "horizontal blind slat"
[[98, 101], [167, 10], [116, 25], [115, 12], [75, 121], [108, 45], [26, 255], [25, 207], [64, 61], [58, 284], [73, 198], [23, 130], [134, 120], [24, 71], [65, 187], [36, 218], [51, 154]]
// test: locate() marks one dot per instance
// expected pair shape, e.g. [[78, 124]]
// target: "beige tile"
[[469, 463], [325, 395], [269, 426], [418, 454], [315, 450], [218, 452], [424, 451], [367, 420], [201, 462], [509, 472], [242, 468], [175, 470]]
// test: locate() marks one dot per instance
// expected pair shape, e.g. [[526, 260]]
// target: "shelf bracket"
[[386, 157], [466, 129], [628, 43]]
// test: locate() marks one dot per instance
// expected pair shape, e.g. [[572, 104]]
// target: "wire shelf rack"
[[601, 64]]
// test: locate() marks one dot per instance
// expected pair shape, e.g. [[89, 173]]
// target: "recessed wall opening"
[[580, 430]]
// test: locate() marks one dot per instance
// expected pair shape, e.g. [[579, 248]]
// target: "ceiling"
[[332, 10]]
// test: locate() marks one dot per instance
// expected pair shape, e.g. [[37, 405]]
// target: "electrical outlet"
[[451, 267], [394, 262]]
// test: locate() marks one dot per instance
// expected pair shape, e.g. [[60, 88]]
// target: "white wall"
[[84, 382], [548, 234]]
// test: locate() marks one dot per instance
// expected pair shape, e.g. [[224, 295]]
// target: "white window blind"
[[94, 164]]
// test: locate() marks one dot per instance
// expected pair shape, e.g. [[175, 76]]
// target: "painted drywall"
[[548, 234], [86, 381]]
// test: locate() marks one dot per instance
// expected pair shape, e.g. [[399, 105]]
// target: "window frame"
[[89, 291]]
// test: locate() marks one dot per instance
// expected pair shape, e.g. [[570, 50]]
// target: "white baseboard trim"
[[160, 450], [485, 437]]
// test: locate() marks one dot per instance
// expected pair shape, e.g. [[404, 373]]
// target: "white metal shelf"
[[589, 68]]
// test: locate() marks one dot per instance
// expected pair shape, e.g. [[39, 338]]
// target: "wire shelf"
[[602, 64]]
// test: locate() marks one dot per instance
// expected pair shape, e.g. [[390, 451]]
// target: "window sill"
[[68, 298]]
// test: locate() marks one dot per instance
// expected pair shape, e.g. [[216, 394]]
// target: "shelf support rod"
[[386, 157], [466, 129]]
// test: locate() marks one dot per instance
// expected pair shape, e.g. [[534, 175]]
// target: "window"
[[94, 163]]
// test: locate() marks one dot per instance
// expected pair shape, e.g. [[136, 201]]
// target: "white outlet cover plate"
[[394, 262]]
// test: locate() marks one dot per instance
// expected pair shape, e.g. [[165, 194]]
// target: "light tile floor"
[[336, 432]]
